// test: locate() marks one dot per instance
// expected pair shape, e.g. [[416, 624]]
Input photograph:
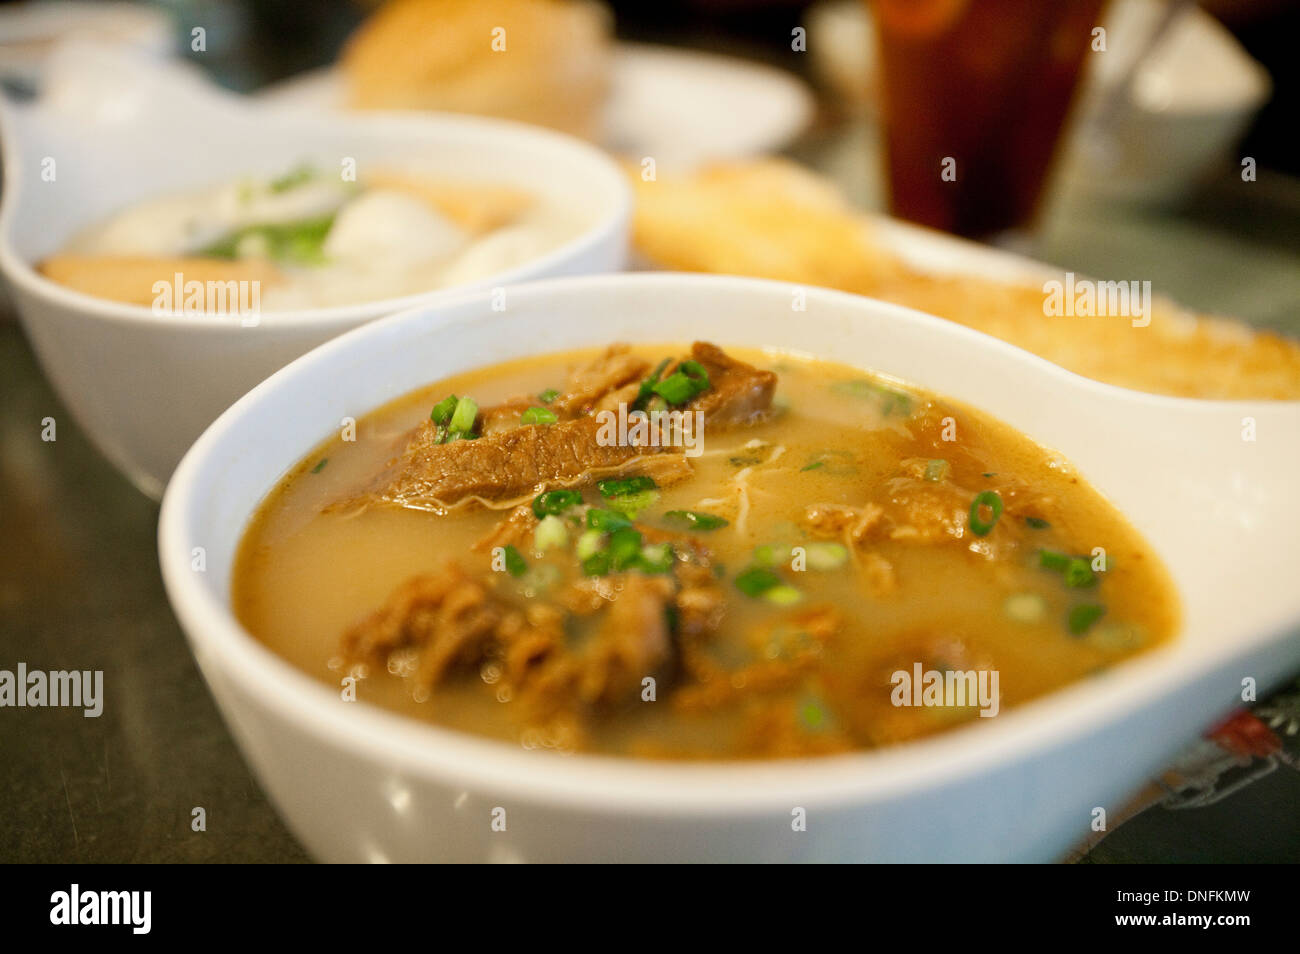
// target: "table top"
[[80, 587]]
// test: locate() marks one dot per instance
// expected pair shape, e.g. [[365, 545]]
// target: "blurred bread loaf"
[[539, 61], [772, 219]]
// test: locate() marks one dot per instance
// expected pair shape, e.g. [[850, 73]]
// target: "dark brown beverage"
[[974, 96]]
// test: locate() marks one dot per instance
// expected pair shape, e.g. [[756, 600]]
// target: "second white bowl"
[[119, 130]]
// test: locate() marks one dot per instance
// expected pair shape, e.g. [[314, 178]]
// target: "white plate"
[[679, 106]]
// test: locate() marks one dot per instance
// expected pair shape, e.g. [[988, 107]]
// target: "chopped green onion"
[[656, 558], [692, 520], [813, 715], [647, 386], [937, 470], [632, 504], [320, 466], [891, 399], [675, 389], [538, 415], [606, 520], [300, 242], [442, 411], [986, 498], [554, 502], [624, 547], [1025, 607], [772, 554], [827, 556], [746, 461], [1038, 523], [295, 177], [516, 565], [597, 564], [462, 419], [549, 395], [783, 594], [551, 533], [1053, 560], [757, 580], [1081, 617], [629, 485], [814, 465], [590, 543], [1078, 573]]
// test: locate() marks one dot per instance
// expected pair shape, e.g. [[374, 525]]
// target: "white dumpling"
[[386, 230]]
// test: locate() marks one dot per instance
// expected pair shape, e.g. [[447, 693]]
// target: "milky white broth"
[[304, 575], [383, 242]]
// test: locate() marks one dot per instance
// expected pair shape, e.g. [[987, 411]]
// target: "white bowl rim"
[[609, 785], [595, 162]]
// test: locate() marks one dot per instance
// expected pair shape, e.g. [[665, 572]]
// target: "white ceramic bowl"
[[358, 783], [143, 386]]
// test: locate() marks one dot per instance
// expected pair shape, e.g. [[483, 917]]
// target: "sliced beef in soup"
[[505, 455]]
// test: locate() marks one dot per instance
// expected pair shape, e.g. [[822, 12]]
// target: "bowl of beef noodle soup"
[[674, 567]]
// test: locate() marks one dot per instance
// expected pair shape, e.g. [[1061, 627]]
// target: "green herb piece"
[[937, 470], [606, 521], [549, 395], [693, 520], [538, 415], [757, 580], [1079, 574], [555, 502], [990, 499], [442, 411], [1082, 617], [516, 565], [320, 466]]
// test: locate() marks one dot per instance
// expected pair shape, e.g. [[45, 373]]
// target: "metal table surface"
[[80, 587]]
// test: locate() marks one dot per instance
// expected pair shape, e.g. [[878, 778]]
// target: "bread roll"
[[539, 61]]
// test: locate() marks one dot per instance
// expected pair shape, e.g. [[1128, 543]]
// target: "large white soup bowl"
[[358, 783]]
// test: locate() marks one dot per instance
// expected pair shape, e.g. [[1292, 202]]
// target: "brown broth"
[[303, 576]]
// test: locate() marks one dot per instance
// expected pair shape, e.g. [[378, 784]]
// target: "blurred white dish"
[[121, 129], [359, 783], [681, 107]]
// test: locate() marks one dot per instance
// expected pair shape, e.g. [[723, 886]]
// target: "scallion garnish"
[[606, 521], [516, 565], [692, 520], [554, 502], [1038, 523], [624, 547], [937, 470], [1078, 573], [549, 395], [1053, 560], [656, 558], [826, 556], [462, 419], [320, 466], [757, 580], [590, 543], [647, 386], [551, 533], [990, 499], [1082, 617], [538, 415], [624, 486], [442, 411]]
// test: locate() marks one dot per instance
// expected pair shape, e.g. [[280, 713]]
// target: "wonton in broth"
[[681, 552]]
